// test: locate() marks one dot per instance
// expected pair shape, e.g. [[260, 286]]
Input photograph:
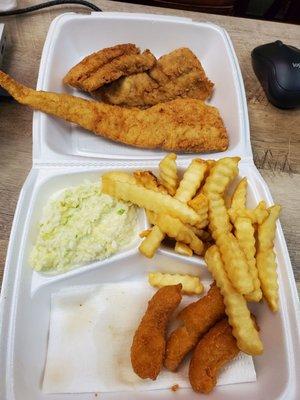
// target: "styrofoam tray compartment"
[[71, 37], [26, 301]]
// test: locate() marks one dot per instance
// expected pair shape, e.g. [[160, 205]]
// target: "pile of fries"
[[236, 242]]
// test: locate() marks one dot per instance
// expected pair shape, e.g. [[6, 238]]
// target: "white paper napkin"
[[91, 331]]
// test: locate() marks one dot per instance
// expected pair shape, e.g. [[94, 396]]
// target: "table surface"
[[274, 133]]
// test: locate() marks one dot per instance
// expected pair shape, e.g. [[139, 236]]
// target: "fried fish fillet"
[[182, 125], [197, 318], [213, 351], [107, 65], [148, 346], [178, 74]]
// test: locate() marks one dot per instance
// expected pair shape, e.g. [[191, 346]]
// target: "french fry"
[[168, 173], [174, 228], [203, 223], [239, 196], [149, 246], [191, 180], [218, 217], [235, 263], [168, 169], [190, 284], [266, 259], [239, 317], [221, 174], [148, 199], [202, 234], [244, 233], [120, 177], [210, 164], [152, 217], [260, 213], [200, 204], [183, 249], [152, 242], [234, 259], [153, 237], [144, 233], [257, 215], [149, 181]]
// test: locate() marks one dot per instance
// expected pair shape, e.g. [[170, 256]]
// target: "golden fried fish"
[[178, 74], [182, 125], [107, 65]]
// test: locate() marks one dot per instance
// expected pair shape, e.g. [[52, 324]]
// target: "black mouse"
[[277, 67]]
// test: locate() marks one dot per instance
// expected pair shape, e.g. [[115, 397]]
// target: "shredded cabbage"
[[82, 225]]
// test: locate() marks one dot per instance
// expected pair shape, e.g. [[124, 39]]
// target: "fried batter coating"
[[182, 125], [107, 65], [148, 346], [177, 74], [198, 318], [216, 348], [86, 67]]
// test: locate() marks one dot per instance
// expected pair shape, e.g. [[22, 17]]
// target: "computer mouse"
[[277, 67]]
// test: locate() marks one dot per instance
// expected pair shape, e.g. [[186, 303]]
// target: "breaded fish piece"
[[216, 348], [90, 64], [182, 125], [148, 346], [107, 65], [197, 318], [178, 74]]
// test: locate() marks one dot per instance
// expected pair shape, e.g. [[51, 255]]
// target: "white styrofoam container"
[[72, 37], [65, 156]]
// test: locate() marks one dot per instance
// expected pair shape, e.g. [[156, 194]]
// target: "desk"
[[275, 134]]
